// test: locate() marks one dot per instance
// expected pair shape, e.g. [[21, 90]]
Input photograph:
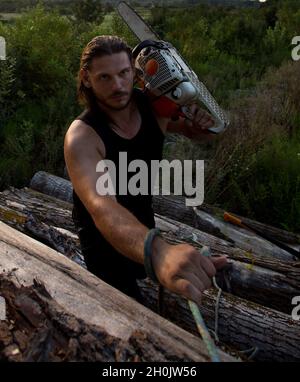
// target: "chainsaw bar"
[[144, 32], [221, 118], [136, 24]]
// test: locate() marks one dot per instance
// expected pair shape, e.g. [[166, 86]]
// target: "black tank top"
[[147, 145]]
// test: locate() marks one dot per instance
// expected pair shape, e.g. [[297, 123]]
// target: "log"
[[242, 324], [38, 329], [207, 218], [52, 185], [261, 279], [42, 217], [45, 208], [245, 239], [290, 238], [242, 314], [78, 300], [273, 333], [174, 208], [289, 271], [265, 281], [58, 213]]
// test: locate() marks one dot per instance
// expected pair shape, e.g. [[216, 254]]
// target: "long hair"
[[99, 46]]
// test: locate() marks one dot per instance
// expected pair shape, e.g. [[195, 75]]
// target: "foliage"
[[243, 55], [255, 168], [230, 48], [88, 11]]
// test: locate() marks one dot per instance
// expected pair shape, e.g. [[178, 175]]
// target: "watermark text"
[[296, 310], [146, 178], [296, 50], [2, 48], [2, 309]]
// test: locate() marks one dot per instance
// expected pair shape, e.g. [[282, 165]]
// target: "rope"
[[208, 341], [204, 333], [217, 309], [205, 251], [254, 351], [211, 347], [201, 326]]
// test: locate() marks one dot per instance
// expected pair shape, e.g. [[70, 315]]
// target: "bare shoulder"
[[83, 149], [80, 135]]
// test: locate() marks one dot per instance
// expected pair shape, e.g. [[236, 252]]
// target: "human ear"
[[85, 78]]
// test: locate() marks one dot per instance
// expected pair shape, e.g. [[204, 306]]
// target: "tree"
[[88, 11]]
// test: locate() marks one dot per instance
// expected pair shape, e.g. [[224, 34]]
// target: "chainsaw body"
[[172, 84]]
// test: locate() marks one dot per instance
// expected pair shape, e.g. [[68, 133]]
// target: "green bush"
[[253, 168], [271, 191], [7, 80], [37, 91], [88, 11]]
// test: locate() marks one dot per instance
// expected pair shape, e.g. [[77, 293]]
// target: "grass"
[[9, 16]]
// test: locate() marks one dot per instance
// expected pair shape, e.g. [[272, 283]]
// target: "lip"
[[119, 96]]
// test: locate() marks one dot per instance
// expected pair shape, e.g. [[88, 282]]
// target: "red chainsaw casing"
[[166, 108]]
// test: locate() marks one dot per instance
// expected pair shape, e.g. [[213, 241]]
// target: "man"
[[113, 229]]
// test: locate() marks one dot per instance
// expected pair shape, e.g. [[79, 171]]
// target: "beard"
[[109, 102]]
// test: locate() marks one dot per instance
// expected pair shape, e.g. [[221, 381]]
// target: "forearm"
[[186, 129], [123, 230], [175, 266], [197, 128]]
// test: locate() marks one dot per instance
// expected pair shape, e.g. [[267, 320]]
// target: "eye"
[[103, 77], [125, 71]]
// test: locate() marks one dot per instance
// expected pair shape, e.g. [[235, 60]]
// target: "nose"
[[117, 83]]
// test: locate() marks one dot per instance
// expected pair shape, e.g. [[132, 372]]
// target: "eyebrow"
[[107, 74]]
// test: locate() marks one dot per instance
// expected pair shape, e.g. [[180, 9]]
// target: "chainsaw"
[[163, 73]]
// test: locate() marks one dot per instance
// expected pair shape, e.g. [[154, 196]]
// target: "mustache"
[[118, 94]]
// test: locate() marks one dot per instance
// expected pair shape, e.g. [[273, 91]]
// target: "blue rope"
[[208, 341]]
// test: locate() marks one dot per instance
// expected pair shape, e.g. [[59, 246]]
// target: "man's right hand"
[[183, 269]]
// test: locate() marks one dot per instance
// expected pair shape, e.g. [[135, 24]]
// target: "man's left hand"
[[198, 127]]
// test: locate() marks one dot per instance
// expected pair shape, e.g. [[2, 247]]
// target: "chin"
[[119, 105], [115, 104]]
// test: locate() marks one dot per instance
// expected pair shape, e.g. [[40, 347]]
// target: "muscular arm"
[[195, 130], [118, 225], [180, 268]]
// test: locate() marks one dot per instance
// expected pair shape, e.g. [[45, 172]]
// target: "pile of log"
[[57, 310], [254, 308]]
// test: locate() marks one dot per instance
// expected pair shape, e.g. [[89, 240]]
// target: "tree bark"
[[86, 309], [242, 324], [45, 208], [266, 281], [52, 185], [258, 278], [207, 218], [279, 234]]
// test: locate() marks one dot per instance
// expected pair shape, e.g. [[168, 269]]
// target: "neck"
[[120, 118]]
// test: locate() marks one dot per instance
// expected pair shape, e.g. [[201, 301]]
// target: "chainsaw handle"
[[218, 127]]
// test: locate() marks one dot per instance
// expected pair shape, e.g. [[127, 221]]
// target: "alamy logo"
[[2, 48], [296, 310], [2, 309], [296, 50], [146, 181]]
